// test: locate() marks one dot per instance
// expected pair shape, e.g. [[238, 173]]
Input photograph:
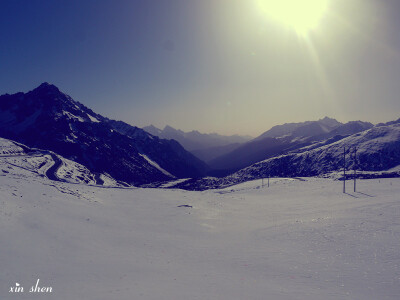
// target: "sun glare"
[[301, 15]]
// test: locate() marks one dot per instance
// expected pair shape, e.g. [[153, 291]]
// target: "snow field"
[[297, 239]]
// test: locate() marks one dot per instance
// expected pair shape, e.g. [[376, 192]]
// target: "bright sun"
[[300, 15]]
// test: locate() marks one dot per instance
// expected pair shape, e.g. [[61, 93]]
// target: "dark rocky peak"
[[49, 96], [49, 102], [57, 102], [46, 88]]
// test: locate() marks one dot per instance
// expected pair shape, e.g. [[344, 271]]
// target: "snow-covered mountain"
[[203, 145], [308, 128], [377, 149], [49, 119], [349, 128], [282, 139], [323, 128]]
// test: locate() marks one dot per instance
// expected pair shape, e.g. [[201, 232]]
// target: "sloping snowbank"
[[296, 239]]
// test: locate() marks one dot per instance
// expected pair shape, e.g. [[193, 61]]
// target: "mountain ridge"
[[378, 150], [282, 139], [49, 119], [195, 140]]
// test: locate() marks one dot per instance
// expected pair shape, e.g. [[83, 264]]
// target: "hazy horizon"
[[266, 129], [214, 132], [210, 66]]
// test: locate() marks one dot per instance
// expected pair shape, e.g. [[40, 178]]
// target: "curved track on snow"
[[51, 173]]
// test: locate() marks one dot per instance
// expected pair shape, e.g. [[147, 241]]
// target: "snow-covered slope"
[[9, 148], [378, 149], [297, 239], [15, 158], [156, 165]]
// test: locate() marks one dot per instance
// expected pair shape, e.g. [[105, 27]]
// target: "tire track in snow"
[[51, 173]]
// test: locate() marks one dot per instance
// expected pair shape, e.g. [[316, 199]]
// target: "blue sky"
[[210, 65]]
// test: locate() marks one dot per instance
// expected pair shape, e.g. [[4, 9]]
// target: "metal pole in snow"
[[344, 169], [262, 182], [268, 180], [355, 163]]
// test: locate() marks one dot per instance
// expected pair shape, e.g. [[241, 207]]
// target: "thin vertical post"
[[268, 180], [355, 165], [262, 182], [344, 169]]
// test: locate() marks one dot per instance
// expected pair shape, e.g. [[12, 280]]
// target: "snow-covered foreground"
[[294, 240]]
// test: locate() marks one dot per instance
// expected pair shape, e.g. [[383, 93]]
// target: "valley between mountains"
[[83, 146]]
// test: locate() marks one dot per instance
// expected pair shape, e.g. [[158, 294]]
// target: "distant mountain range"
[[376, 149], [205, 146], [282, 139], [47, 132], [48, 119], [308, 128]]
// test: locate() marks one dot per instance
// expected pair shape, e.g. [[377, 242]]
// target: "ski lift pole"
[[355, 165], [344, 169]]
